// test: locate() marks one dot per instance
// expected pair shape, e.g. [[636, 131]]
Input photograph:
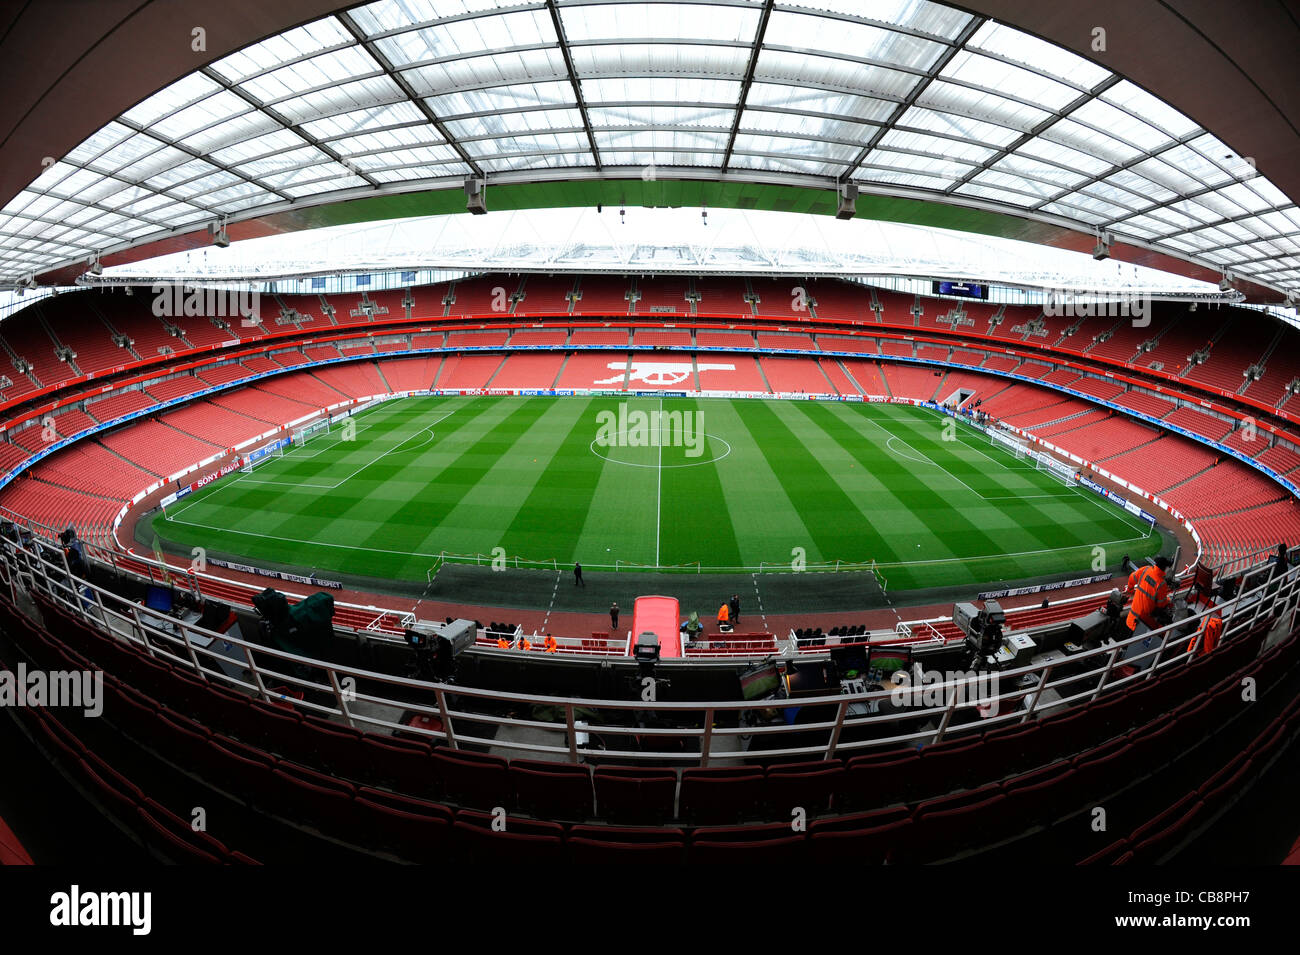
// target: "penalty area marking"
[[396, 449]]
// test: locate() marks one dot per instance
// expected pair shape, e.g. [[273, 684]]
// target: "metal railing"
[[361, 698]]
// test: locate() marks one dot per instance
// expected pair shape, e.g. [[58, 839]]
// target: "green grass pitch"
[[765, 483]]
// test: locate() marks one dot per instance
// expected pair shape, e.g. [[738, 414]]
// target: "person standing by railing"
[[1151, 594]]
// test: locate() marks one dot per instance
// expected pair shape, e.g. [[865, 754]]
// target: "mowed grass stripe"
[[953, 522], [322, 460], [764, 522], [250, 502], [385, 541], [1031, 541], [839, 529], [620, 523], [871, 482], [565, 517], [1068, 519], [693, 499], [452, 472], [1014, 526], [486, 510]]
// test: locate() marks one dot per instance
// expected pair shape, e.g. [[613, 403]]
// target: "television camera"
[[983, 629]]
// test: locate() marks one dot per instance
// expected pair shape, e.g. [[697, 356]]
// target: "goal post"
[[304, 434], [1057, 469], [1008, 443], [269, 454]]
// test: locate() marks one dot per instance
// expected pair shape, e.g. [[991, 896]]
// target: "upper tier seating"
[[840, 301], [477, 296], [525, 337], [602, 295], [546, 295], [721, 296], [782, 298], [662, 337], [661, 296]]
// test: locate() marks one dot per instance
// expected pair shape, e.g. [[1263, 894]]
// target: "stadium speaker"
[[848, 201], [476, 196]]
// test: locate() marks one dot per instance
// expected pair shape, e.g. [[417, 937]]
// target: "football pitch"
[[632, 483]]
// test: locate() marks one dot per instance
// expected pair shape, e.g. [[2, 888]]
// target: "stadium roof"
[[659, 242], [388, 107]]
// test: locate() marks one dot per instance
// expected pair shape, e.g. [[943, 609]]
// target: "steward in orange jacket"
[[551, 645], [1150, 593]]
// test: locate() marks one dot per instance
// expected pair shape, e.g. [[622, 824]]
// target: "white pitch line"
[[299, 540], [392, 450], [1074, 489], [659, 493]]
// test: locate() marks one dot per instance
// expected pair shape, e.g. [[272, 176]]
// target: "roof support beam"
[[369, 46], [748, 81], [573, 79], [958, 44], [1035, 132]]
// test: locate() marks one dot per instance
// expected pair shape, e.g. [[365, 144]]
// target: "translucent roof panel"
[[903, 97]]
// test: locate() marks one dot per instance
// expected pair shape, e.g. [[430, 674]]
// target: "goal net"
[[269, 454], [1057, 469], [305, 434], [1006, 442]]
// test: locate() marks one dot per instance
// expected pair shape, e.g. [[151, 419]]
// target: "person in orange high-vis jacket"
[[1209, 637], [1151, 594], [503, 643], [524, 644], [551, 645], [724, 616]]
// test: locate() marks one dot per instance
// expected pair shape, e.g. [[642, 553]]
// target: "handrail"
[[260, 668]]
